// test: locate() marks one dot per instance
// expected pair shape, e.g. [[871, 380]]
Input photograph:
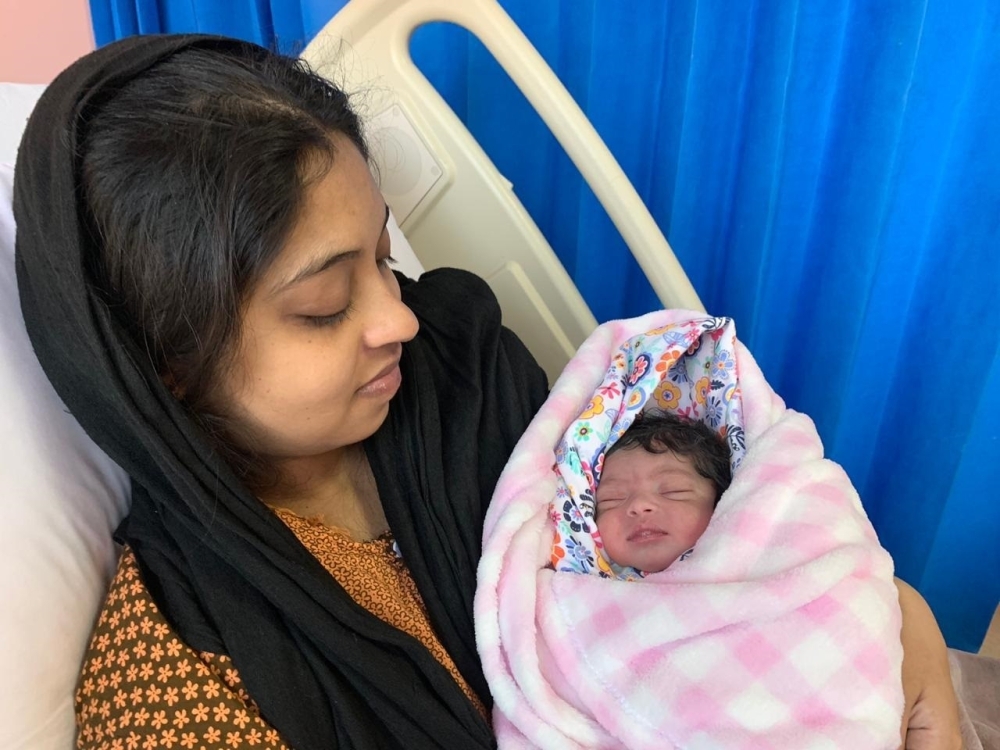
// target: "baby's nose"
[[639, 505]]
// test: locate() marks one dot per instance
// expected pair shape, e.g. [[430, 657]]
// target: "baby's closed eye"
[[676, 493]]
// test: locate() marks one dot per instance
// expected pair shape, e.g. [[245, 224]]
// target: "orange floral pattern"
[[667, 395], [701, 390], [142, 688]]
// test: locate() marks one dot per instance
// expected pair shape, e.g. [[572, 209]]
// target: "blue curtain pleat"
[[827, 173], [962, 532], [114, 19], [287, 26]]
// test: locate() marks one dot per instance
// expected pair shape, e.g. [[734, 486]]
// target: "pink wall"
[[38, 38]]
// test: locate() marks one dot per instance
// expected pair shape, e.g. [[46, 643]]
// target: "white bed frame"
[[452, 203]]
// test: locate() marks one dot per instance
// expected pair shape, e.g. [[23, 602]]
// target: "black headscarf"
[[228, 575]]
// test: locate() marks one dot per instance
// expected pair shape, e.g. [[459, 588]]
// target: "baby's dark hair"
[[660, 432]]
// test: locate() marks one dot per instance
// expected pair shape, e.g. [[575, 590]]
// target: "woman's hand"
[[930, 718]]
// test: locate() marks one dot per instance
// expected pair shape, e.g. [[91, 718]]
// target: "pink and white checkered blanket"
[[781, 630]]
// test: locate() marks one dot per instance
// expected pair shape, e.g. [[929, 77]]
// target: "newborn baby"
[[782, 630], [660, 484]]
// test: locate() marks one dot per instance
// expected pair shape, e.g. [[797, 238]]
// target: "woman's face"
[[317, 360]]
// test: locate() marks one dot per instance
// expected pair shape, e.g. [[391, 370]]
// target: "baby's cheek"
[[608, 531], [693, 524]]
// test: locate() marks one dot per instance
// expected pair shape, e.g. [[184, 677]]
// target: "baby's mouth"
[[646, 534]]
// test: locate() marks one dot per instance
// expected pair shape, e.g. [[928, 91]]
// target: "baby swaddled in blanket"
[[758, 615], [660, 483]]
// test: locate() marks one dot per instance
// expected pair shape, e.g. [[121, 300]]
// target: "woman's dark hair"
[[660, 432], [194, 173]]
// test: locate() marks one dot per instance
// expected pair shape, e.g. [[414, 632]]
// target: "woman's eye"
[[386, 262], [323, 321]]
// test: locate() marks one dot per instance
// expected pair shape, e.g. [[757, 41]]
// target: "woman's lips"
[[646, 534], [386, 383]]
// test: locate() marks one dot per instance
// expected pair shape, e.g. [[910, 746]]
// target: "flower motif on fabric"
[[573, 516], [610, 390], [723, 364], [638, 369], [558, 553], [579, 554], [714, 413], [667, 361], [674, 338], [701, 389], [668, 396], [679, 375], [595, 407], [604, 568], [584, 432], [599, 465], [637, 398]]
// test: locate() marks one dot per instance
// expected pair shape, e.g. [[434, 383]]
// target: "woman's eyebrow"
[[323, 264], [316, 267]]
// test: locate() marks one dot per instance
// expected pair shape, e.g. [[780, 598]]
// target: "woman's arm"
[[930, 718]]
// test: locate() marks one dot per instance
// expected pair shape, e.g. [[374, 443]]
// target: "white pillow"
[[61, 499], [16, 102]]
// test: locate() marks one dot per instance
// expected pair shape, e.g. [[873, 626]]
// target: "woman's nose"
[[391, 322]]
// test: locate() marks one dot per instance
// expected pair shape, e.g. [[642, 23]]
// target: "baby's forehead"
[[637, 460]]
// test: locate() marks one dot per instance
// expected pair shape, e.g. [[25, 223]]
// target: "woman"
[[204, 272]]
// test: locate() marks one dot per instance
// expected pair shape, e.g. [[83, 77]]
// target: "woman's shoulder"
[[463, 353], [142, 686]]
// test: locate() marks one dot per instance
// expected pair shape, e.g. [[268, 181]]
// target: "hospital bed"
[[453, 205], [62, 497]]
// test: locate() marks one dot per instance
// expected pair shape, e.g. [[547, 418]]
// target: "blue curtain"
[[828, 174]]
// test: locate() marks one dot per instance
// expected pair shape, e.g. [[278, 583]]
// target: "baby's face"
[[651, 508]]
